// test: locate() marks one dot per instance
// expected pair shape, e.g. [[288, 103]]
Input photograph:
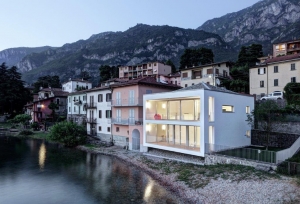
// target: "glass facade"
[[185, 109], [178, 136]]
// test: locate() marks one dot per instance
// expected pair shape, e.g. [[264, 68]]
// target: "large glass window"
[[188, 109], [211, 112], [178, 136]]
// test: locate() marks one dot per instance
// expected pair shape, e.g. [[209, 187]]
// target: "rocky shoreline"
[[218, 190]]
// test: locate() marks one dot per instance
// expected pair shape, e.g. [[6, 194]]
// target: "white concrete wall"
[[229, 128]]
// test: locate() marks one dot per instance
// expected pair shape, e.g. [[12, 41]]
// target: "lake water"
[[32, 171]]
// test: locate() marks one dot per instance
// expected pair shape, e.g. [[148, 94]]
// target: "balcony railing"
[[128, 102], [91, 120], [127, 121], [91, 105]]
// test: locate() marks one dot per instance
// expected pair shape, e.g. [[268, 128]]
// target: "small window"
[[293, 79], [69, 99], [108, 129], [176, 82], [193, 84], [275, 82], [86, 87], [184, 75], [99, 128], [154, 64], [261, 70], [248, 109], [100, 98], [261, 84], [108, 113], [83, 98], [185, 85], [227, 109], [74, 109], [100, 113], [293, 67], [275, 69], [117, 129], [108, 97], [149, 65], [69, 109], [248, 133]]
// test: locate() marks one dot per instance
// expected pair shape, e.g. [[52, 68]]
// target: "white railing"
[[289, 152]]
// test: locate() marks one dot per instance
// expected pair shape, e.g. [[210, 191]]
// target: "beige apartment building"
[[286, 48], [144, 69], [209, 73], [273, 74]]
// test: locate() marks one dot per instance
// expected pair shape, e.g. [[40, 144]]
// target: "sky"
[[34, 23]]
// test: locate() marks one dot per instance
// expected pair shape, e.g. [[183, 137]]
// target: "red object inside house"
[[157, 117]]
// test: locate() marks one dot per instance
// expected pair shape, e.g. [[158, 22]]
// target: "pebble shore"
[[271, 190]]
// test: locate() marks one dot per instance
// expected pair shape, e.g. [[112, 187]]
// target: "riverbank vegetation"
[[68, 133]]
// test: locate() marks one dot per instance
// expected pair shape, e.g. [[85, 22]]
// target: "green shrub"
[[26, 132], [35, 126], [68, 133]]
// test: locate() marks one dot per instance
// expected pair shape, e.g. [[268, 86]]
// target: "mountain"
[[141, 43], [12, 56], [266, 22]]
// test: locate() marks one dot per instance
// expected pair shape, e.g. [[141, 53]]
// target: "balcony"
[[91, 120], [127, 121], [91, 105], [128, 102], [292, 48]]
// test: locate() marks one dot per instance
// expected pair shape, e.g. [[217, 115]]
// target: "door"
[[118, 115], [118, 98], [131, 97], [136, 140], [131, 116]]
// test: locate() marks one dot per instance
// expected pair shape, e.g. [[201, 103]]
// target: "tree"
[[266, 116], [13, 94], [170, 63], [53, 106], [85, 75], [292, 93], [249, 55], [47, 81], [68, 133], [107, 72], [195, 57], [21, 118]]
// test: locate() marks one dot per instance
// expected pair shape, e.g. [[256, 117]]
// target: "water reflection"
[[70, 176], [42, 156]]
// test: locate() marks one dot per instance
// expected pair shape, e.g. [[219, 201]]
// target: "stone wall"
[[289, 127], [277, 139], [218, 159], [104, 137], [120, 140]]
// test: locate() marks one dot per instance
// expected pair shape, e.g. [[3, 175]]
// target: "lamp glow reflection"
[[148, 191], [42, 156]]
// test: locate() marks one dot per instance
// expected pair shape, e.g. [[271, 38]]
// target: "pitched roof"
[[283, 58], [56, 91], [148, 80], [205, 65], [205, 86], [78, 80]]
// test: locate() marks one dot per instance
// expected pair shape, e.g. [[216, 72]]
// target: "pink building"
[[170, 78], [46, 96], [144, 69], [127, 109]]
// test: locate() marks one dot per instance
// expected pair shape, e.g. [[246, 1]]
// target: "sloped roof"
[[148, 80], [56, 91], [283, 58], [78, 80], [205, 86]]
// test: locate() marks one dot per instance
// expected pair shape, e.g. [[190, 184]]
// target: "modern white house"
[[98, 106], [76, 85], [196, 119], [77, 107]]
